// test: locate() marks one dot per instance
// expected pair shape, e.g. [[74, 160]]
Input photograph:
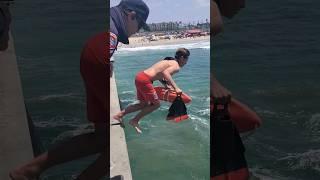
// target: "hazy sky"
[[175, 10]]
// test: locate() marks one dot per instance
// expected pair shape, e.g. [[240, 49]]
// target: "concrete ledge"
[[15, 144], [120, 164]]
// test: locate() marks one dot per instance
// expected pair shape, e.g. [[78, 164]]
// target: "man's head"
[[5, 20], [136, 13], [182, 56]]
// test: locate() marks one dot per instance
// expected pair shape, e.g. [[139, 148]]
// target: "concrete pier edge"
[[16, 145], [120, 164]]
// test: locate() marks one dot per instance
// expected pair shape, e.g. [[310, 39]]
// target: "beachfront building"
[[179, 26], [174, 30], [165, 26]]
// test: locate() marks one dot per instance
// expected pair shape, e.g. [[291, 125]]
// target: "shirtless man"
[[146, 94]]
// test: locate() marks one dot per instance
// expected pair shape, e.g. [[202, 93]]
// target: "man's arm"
[[218, 92], [164, 82], [167, 75], [216, 19], [227, 8]]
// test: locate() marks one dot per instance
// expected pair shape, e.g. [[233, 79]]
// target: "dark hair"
[[169, 58], [182, 52]]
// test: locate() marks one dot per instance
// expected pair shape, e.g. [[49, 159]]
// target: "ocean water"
[[49, 37], [167, 150], [268, 56]]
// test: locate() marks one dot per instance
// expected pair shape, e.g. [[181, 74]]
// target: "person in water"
[[146, 94]]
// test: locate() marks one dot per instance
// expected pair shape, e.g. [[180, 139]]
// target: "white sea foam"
[[130, 101], [313, 124], [197, 45], [265, 174], [204, 112], [306, 160], [56, 121], [55, 96], [127, 92], [198, 120], [80, 129]]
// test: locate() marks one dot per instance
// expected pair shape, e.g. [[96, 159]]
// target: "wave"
[[198, 45], [200, 121], [80, 129], [204, 112], [128, 101], [305, 160], [265, 174], [55, 96], [56, 121], [313, 124], [127, 92], [201, 126]]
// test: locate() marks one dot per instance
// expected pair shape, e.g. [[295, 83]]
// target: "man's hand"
[[219, 93], [178, 91], [169, 87]]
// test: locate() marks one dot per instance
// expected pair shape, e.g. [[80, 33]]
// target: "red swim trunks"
[[94, 68], [145, 89]]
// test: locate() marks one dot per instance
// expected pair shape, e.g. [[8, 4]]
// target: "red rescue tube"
[[244, 118], [240, 174], [170, 95], [178, 119]]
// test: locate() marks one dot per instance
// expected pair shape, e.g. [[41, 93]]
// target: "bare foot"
[[136, 126], [118, 117]]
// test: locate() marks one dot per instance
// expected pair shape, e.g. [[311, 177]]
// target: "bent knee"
[[143, 104]]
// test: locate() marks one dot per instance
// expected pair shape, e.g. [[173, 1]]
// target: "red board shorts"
[[94, 68], [145, 89]]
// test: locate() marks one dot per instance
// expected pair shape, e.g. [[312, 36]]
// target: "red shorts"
[[94, 68], [145, 89]]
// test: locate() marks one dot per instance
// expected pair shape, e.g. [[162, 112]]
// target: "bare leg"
[[131, 108], [146, 110], [77, 147]]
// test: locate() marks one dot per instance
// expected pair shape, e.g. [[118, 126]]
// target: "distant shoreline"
[[140, 42]]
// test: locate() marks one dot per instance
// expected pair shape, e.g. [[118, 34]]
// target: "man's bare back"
[[157, 71]]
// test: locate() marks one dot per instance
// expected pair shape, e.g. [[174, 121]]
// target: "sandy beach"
[[141, 42]]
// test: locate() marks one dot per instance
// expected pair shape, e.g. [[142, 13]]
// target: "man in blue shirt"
[[126, 19]]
